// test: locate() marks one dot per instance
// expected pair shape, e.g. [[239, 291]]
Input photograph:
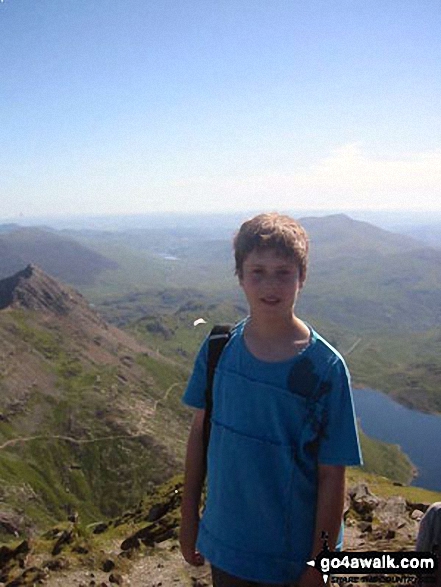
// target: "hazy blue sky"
[[127, 106]]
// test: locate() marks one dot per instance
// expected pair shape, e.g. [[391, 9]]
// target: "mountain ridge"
[[87, 414]]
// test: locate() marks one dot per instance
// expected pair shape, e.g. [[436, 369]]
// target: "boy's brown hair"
[[272, 231]]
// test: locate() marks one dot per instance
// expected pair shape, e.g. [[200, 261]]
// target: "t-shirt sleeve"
[[194, 395], [340, 443]]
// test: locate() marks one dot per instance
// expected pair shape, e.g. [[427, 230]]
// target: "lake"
[[418, 434]]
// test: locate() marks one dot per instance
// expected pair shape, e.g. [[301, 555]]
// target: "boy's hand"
[[187, 539], [311, 578]]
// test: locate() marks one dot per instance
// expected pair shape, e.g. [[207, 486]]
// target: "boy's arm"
[[330, 504], [191, 497]]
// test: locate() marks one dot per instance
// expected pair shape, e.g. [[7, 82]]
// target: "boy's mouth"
[[270, 301]]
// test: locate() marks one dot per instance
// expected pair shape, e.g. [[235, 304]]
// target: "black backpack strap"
[[218, 338]]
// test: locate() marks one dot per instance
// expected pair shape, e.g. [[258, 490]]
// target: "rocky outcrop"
[[33, 289], [373, 523], [381, 523]]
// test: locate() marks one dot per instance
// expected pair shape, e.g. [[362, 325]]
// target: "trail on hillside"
[[352, 347], [22, 439]]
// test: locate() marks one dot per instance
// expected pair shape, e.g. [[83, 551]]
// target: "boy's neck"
[[278, 328]]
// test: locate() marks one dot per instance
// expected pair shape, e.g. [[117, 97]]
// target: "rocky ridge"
[[140, 548]]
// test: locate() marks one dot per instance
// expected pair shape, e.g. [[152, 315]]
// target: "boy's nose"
[[271, 280]]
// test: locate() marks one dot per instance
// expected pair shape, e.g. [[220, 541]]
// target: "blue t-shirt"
[[272, 424]]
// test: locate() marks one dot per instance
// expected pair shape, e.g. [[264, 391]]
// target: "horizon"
[[140, 108], [395, 221]]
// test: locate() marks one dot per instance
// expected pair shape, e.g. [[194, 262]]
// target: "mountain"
[[429, 233], [361, 277], [58, 255], [372, 292], [89, 418], [339, 235]]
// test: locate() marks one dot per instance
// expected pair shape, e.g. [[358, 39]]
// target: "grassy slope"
[[121, 446], [407, 365], [174, 335], [45, 478]]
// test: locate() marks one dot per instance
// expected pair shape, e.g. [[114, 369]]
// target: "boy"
[[282, 428]]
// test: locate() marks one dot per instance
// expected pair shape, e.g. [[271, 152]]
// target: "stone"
[[116, 578], [65, 538], [108, 565], [100, 528], [394, 506], [157, 511], [56, 564], [365, 526], [362, 500], [10, 523], [417, 515], [130, 543]]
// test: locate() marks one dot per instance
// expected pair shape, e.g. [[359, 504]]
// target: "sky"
[[138, 106]]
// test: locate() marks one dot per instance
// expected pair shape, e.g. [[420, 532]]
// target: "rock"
[[422, 507], [31, 576], [19, 553], [164, 534], [362, 500], [384, 532], [100, 528], [116, 578], [196, 582], [149, 535], [56, 564], [10, 523], [417, 515], [65, 538], [393, 507], [130, 543], [365, 526], [73, 517], [52, 534], [157, 511], [108, 565], [79, 549]]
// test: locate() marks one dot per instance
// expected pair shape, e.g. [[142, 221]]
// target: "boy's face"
[[271, 282]]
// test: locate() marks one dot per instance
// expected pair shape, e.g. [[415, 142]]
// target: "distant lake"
[[168, 257], [418, 434]]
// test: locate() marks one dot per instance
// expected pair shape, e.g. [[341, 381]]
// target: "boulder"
[[363, 501], [108, 565], [10, 523], [417, 515], [65, 538]]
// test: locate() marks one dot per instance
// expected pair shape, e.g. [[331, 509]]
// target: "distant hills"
[[338, 235], [366, 285], [361, 277], [58, 255]]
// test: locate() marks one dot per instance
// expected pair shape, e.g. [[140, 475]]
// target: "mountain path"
[[165, 567], [152, 414]]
